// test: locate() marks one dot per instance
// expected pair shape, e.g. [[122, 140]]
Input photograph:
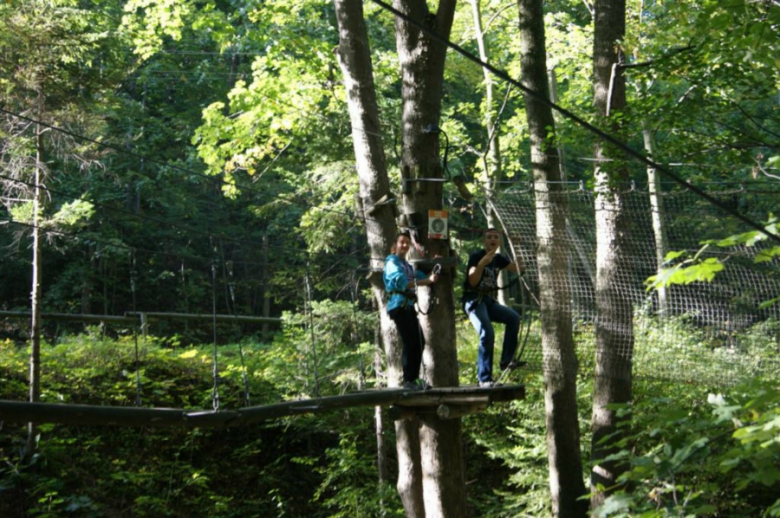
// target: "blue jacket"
[[397, 275]]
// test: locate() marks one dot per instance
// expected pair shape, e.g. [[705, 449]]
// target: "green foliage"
[[349, 485], [275, 469], [696, 268], [692, 457], [22, 212]]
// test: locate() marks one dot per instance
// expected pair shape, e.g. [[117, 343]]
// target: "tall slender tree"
[[491, 157], [439, 475], [560, 361], [46, 52], [614, 322], [357, 69], [422, 59]]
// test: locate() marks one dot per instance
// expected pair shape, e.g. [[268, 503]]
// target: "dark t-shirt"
[[489, 281]]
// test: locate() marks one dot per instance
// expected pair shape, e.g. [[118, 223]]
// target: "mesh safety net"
[[713, 331]]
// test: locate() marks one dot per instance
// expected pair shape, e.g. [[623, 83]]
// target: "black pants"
[[412, 339]]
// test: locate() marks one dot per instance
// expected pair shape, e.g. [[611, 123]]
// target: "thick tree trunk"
[[567, 485], [422, 73], [355, 62], [614, 324]]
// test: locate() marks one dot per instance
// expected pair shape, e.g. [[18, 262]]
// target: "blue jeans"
[[481, 314]]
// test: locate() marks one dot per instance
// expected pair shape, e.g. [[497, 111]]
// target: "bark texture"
[[422, 72], [614, 324], [567, 484], [491, 159], [356, 67], [657, 213]]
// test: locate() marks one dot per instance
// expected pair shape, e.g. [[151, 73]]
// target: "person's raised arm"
[[475, 272]]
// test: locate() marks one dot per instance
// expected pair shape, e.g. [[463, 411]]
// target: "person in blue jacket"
[[482, 308], [400, 282]]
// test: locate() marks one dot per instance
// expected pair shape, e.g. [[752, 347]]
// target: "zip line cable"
[[583, 123]]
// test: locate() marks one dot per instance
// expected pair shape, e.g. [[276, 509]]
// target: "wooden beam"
[[134, 317], [157, 315], [459, 399], [73, 317], [453, 411]]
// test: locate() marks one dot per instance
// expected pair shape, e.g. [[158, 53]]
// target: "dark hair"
[[405, 234], [491, 230]]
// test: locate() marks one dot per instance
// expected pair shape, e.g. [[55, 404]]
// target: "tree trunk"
[[422, 70], [35, 295], [657, 213], [567, 485], [614, 323], [382, 460], [356, 67], [492, 158]]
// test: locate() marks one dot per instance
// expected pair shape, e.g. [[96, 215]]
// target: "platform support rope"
[[354, 287], [310, 309], [232, 290], [133, 274], [215, 364]]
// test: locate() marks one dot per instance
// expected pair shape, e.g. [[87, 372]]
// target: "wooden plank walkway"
[[446, 402]]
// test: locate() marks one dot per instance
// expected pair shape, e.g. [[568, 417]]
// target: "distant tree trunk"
[[356, 67], [657, 214], [422, 75], [614, 322], [567, 485], [37, 265], [492, 158]]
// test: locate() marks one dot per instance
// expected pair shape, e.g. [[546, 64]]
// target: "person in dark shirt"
[[479, 289]]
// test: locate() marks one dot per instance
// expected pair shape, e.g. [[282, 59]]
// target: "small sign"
[[437, 224]]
